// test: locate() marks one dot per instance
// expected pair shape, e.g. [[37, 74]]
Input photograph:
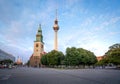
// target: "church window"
[[41, 46], [37, 45]]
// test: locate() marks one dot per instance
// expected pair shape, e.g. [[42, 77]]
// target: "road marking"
[[5, 77]]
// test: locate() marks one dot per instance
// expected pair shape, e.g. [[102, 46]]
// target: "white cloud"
[[114, 33], [88, 21], [106, 23]]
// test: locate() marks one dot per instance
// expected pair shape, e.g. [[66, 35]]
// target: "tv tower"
[[56, 28]]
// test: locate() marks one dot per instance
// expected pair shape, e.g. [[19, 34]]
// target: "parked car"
[[2, 66]]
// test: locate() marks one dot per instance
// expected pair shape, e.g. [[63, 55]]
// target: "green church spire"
[[39, 37], [39, 30]]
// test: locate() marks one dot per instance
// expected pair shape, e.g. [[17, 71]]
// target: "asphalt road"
[[56, 76]]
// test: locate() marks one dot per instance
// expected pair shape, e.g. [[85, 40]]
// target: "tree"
[[91, 58], [52, 58], [6, 61], [44, 59], [115, 46], [103, 62], [72, 57], [88, 57], [113, 54], [79, 56]]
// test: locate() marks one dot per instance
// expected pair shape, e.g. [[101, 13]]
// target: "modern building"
[[4, 55], [56, 28], [38, 49]]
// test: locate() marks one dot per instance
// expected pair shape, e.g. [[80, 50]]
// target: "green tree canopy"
[[6, 61], [111, 56], [114, 56], [79, 56], [44, 59], [115, 46], [52, 58]]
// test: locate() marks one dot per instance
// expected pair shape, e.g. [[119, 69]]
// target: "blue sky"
[[90, 24]]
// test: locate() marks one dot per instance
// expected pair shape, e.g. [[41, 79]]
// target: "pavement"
[[25, 75]]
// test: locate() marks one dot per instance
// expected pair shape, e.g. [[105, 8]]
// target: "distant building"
[[38, 49], [19, 61], [4, 55], [100, 58]]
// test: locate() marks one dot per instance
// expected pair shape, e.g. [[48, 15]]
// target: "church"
[[39, 45], [38, 49]]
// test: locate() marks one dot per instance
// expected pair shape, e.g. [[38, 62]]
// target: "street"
[[24, 75]]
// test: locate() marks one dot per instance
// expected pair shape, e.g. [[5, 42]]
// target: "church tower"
[[56, 28], [38, 49]]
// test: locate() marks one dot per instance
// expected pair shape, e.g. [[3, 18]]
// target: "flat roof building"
[[4, 55]]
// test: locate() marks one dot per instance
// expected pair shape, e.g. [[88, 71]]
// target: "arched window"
[[41, 46], [37, 45]]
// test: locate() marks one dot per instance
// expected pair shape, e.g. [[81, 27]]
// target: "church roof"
[[39, 30]]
